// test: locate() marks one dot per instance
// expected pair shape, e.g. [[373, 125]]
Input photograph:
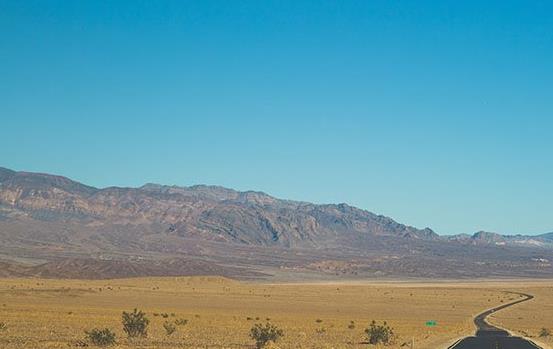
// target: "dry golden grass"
[[220, 312]]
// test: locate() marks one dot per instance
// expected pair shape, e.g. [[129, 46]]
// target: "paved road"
[[490, 337]]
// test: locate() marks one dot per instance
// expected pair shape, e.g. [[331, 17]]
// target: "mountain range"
[[51, 226], [483, 237]]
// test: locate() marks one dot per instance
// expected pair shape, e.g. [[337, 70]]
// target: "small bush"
[[263, 334], [164, 315], [135, 324], [544, 332], [3, 326], [169, 327], [101, 337], [181, 322], [351, 325], [377, 334], [318, 321]]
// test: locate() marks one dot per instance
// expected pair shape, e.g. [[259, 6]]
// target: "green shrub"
[[101, 337], [263, 334], [169, 327], [135, 324], [377, 334]]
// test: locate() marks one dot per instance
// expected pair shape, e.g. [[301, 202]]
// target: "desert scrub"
[[379, 334], [544, 332], [101, 337], [169, 327], [181, 322], [135, 324], [3, 326], [263, 334]]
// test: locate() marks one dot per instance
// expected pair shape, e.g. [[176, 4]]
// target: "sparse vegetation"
[[379, 334], [262, 334], [135, 323], [3, 326], [545, 332], [169, 327], [181, 322], [222, 317], [101, 337]]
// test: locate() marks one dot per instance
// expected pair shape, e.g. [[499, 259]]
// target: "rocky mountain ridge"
[[52, 226], [208, 212], [489, 238]]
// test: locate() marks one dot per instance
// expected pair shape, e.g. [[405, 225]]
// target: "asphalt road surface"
[[490, 337]]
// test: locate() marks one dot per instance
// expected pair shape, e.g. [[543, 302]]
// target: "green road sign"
[[431, 323]]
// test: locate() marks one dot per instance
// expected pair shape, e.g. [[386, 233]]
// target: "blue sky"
[[437, 113]]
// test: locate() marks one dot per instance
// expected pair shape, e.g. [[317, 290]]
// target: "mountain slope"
[[212, 213], [52, 226], [488, 238]]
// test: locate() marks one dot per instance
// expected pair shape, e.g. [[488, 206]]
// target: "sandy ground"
[[220, 312]]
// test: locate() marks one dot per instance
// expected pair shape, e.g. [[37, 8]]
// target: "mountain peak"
[[5, 174], [42, 181], [488, 237]]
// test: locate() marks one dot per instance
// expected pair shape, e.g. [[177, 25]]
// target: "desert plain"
[[51, 313]]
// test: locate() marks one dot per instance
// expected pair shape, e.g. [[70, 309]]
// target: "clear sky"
[[436, 113]]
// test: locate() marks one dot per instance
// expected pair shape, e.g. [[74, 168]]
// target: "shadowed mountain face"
[[52, 220]]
